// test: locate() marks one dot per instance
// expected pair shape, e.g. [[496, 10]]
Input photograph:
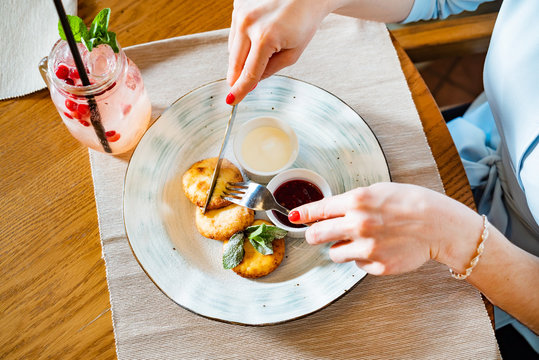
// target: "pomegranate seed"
[[83, 109], [76, 115], [114, 138], [62, 72], [84, 122], [71, 105], [69, 81], [74, 74], [110, 133], [68, 115], [126, 109]]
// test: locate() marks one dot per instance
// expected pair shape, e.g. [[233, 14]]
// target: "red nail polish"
[[293, 216], [230, 98]]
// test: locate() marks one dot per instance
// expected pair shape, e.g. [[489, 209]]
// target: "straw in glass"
[[95, 117]]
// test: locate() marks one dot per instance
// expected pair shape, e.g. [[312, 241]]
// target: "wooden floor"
[[454, 81]]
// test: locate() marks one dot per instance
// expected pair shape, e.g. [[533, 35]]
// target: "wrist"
[[459, 239]]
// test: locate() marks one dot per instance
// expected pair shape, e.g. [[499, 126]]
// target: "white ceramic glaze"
[[296, 174], [160, 221], [263, 177]]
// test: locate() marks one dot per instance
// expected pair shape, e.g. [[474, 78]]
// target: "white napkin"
[[28, 30]]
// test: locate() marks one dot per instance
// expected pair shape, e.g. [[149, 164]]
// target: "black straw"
[[95, 117]]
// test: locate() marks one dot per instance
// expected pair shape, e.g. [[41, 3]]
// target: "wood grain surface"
[[54, 301]]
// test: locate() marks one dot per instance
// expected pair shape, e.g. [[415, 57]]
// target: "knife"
[[220, 158]]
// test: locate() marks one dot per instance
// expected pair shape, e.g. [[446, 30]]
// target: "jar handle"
[[43, 65]]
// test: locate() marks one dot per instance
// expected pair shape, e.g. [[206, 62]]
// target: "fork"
[[253, 196]]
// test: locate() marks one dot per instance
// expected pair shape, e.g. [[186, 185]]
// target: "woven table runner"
[[424, 314]]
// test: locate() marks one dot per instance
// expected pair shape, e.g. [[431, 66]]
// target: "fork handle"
[[281, 209]]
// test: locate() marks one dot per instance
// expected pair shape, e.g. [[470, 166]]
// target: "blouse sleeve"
[[440, 9]]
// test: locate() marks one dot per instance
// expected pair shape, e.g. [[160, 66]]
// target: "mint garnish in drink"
[[98, 33], [260, 236]]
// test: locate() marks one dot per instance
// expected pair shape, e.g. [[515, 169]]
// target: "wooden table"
[[54, 300]]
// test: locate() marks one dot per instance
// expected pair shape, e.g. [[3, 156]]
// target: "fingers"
[[357, 251], [371, 267], [336, 229], [255, 64], [327, 208], [281, 60], [232, 33], [345, 251], [237, 57]]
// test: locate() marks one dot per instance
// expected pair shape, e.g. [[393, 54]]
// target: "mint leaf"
[[233, 251], [272, 230], [98, 33], [77, 27], [112, 42], [100, 24], [262, 244], [255, 230], [89, 44], [276, 232], [262, 236]]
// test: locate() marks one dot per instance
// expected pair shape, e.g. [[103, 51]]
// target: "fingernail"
[[230, 98], [293, 216], [254, 87]]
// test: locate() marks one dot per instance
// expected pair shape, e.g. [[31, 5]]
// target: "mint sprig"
[[260, 236], [233, 251], [98, 33]]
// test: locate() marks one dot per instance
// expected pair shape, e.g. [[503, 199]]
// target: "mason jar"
[[109, 115]]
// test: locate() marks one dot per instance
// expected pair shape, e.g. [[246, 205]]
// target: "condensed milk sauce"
[[266, 149]]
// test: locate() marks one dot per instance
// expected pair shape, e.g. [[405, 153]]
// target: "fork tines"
[[234, 190], [241, 185]]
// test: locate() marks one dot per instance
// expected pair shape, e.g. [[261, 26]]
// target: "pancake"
[[254, 264], [197, 179], [221, 224]]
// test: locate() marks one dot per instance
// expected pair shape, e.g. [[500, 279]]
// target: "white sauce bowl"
[[263, 177]]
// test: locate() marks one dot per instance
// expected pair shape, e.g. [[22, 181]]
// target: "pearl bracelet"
[[479, 251]]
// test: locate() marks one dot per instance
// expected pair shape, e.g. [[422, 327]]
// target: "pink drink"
[[117, 88]]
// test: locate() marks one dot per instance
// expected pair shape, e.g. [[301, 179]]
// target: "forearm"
[[377, 10], [507, 275]]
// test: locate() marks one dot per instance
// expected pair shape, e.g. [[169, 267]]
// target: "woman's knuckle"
[[311, 235], [386, 269], [249, 75], [369, 249], [360, 196], [369, 226], [290, 58]]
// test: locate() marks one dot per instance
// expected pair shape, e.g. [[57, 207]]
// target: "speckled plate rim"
[[215, 318]]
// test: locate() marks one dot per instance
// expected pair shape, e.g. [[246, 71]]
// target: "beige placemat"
[[28, 30], [420, 315]]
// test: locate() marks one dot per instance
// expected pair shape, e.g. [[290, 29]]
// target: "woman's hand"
[[391, 228], [266, 36]]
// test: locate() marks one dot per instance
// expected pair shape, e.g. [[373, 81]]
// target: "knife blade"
[[220, 158]]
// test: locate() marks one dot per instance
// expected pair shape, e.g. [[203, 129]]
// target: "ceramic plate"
[[160, 223]]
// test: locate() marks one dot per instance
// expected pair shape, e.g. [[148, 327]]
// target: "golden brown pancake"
[[254, 264], [196, 182], [221, 224]]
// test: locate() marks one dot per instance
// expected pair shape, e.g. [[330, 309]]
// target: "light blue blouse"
[[498, 140]]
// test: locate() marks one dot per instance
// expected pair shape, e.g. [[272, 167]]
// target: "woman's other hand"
[[266, 36], [391, 228]]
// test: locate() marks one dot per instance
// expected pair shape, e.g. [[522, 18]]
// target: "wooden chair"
[[464, 34]]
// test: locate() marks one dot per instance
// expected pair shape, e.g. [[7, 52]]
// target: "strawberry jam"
[[294, 193]]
